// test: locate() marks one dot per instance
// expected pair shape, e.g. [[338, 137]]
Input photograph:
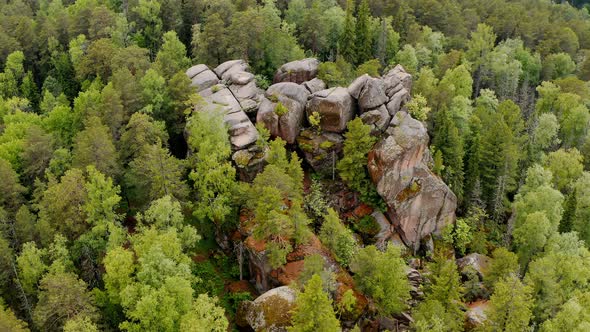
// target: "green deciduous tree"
[[205, 314], [94, 146], [510, 306], [382, 276]]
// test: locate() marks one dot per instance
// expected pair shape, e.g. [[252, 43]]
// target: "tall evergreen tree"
[[363, 37], [447, 140], [346, 46]]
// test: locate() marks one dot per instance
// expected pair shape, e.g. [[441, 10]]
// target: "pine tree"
[[363, 40], [346, 46], [313, 311]]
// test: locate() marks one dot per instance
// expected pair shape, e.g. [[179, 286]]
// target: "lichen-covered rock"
[[369, 92], [271, 311], [335, 106], [292, 98], [387, 233], [249, 162], [321, 150], [478, 262], [419, 202], [297, 71]]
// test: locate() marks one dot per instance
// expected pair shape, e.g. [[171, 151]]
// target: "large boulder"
[[369, 91], [248, 95], [335, 106], [321, 150], [378, 119], [271, 311], [419, 202], [293, 98], [297, 71], [249, 162]]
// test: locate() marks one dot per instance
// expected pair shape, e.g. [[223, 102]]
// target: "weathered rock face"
[[335, 106], [271, 311], [320, 149], [419, 202], [378, 119], [293, 97], [239, 96], [397, 85], [369, 91], [202, 77], [297, 71]]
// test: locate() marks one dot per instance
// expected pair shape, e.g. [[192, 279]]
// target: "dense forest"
[[294, 165]]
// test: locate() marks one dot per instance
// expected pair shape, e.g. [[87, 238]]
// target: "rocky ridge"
[[419, 203]]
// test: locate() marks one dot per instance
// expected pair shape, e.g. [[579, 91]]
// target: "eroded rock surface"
[[419, 202]]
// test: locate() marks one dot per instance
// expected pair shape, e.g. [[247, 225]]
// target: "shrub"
[[338, 238], [280, 109]]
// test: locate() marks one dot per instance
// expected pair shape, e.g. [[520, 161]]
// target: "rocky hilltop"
[[419, 203]]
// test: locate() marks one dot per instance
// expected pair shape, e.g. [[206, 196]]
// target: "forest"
[[294, 165]]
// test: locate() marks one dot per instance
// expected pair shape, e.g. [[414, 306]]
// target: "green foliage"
[[337, 73], [417, 108], [510, 306], [9, 321], [313, 309], [213, 174], [370, 67], [382, 276], [280, 109], [504, 264], [458, 235], [205, 314], [338, 238], [352, 167], [314, 120]]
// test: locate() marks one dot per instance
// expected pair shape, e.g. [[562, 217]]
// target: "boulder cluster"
[[419, 202]]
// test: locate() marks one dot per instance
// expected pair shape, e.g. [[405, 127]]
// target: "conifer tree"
[[448, 141], [346, 46], [313, 310], [363, 38]]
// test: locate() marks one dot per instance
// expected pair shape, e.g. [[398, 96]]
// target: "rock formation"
[[419, 203]]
